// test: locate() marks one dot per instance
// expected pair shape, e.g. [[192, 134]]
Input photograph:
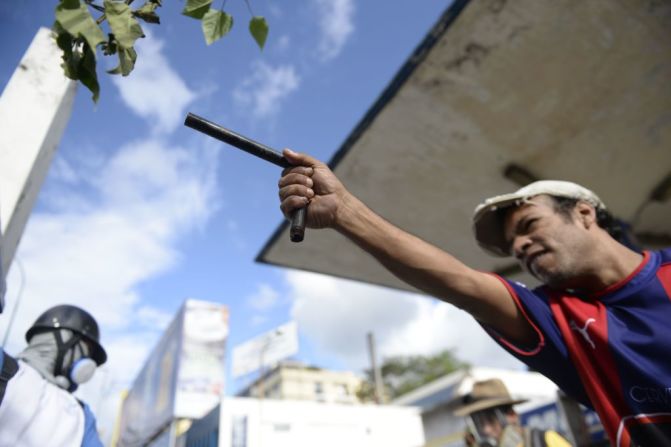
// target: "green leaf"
[[65, 42], [147, 12], [196, 8], [110, 47], [75, 18], [70, 4], [259, 29], [216, 24], [127, 58], [125, 28], [86, 71], [79, 61]]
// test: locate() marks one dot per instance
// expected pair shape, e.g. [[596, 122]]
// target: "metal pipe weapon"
[[297, 229]]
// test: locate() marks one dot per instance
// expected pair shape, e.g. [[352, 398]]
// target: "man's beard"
[[555, 278]]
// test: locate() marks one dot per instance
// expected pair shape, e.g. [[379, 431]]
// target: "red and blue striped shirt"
[[610, 350]]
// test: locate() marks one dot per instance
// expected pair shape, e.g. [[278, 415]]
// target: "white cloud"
[[283, 43], [336, 25], [154, 90], [63, 171], [264, 299], [262, 93], [153, 318], [275, 11], [140, 201], [126, 355], [336, 315], [258, 320], [177, 183]]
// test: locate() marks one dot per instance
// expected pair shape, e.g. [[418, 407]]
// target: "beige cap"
[[487, 394], [488, 222]]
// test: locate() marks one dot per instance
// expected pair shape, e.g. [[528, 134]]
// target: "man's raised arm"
[[411, 259]]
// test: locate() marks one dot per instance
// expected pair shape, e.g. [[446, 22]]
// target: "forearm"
[[408, 257], [433, 270]]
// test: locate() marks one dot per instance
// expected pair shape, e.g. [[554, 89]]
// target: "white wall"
[[258, 423]]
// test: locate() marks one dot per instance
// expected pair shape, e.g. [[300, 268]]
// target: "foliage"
[[79, 34], [402, 374]]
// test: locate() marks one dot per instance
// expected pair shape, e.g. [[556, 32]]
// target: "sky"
[[139, 213]]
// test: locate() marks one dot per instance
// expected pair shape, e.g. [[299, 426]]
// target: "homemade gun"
[[297, 229]]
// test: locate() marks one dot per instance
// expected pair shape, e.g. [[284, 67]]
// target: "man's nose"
[[520, 246]]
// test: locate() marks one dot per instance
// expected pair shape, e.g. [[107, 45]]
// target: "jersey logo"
[[583, 330]]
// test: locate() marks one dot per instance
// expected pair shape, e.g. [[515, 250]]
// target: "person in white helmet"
[[37, 407], [598, 327]]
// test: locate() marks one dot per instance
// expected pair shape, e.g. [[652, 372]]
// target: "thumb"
[[300, 159]]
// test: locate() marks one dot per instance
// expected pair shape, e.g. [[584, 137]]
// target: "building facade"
[[247, 422], [297, 381]]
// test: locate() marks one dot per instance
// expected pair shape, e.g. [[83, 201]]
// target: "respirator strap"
[[63, 348]]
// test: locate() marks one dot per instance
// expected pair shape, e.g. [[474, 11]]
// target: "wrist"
[[349, 208]]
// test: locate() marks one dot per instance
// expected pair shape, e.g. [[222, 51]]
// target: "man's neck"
[[613, 263]]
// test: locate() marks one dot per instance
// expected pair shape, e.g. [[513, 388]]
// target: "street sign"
[[266, 349]]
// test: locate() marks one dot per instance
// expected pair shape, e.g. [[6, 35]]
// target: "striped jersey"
[[610, 350]]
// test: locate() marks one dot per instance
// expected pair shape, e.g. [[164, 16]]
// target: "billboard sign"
[[183, 376], [265, 350], [200, 382], [148, 407]]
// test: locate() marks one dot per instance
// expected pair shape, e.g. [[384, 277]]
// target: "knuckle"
[[297, 202]]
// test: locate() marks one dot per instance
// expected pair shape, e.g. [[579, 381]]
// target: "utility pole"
[[377, 374]]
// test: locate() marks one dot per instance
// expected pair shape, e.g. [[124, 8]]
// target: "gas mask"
[[64, 347], [73, 365], [480, 424]]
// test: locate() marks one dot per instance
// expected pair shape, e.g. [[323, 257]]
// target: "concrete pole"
[[377, 374], [34, 110]]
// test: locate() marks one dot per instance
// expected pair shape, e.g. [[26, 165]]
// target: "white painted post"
[[34, 110]]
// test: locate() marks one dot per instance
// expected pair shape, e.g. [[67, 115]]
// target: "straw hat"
[[486, 394]]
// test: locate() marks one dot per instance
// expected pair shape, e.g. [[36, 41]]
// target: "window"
[[319, 390]]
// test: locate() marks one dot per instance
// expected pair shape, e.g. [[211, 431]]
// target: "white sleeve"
[[37, 413]]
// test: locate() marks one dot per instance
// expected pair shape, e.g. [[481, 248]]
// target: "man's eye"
[[529, 224]]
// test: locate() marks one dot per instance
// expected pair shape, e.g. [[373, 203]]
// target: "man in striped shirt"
[[598, 325]]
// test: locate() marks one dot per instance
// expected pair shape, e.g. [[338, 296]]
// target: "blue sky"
[[139, 213]]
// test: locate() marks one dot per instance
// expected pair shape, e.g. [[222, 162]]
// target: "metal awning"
[[565, 89]]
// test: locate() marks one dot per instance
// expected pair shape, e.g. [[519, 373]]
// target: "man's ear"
[[586, 213]]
